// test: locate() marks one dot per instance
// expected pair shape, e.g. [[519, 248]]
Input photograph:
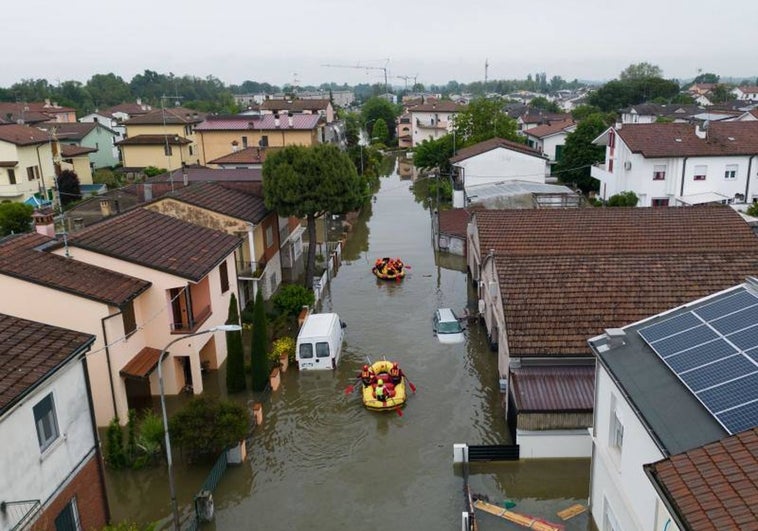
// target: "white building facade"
[[431, 121]]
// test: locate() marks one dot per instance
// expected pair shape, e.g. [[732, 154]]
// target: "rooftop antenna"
[[486, 68], [166, 147]]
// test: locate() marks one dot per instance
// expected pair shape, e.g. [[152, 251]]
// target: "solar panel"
[[713, 350]]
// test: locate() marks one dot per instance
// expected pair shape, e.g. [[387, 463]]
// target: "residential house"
[[403, 131], [269, 242], [672, 164], [114, 117], [219, 136], [430, 121], [535, 117], [36, 112], [449, 228], [550, 138], [549, 279], [493, 161], [649, 113], [675, 429], [163, 138], [52, 468], [88, 135], [77, 159], [320, 107], [246, 158], [746, 93], [26, 162]]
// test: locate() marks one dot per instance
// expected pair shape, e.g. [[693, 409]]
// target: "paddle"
[[350, 388], [399, 412], [410, 384]]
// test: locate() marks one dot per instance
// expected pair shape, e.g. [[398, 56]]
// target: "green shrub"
[[284, 346], [752, 210], [114, 449], [236, 380], [292, 297], [206, 426], [260, 367]]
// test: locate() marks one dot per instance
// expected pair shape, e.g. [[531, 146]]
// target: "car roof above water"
[[318, 324], [446, 314]]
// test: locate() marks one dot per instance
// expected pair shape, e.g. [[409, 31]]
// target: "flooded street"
[[322, 461]]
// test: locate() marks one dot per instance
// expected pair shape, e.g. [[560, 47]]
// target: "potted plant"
[[284, 351]]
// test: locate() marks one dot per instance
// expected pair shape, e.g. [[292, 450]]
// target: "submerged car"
[[447, 326]]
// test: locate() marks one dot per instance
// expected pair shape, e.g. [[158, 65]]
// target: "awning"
[[141, 365], [702, 199]]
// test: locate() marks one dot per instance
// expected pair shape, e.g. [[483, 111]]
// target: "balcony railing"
[[195, 322], [249, 269], [431, 124]]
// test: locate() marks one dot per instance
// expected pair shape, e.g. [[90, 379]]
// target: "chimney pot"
[[44, 223], [105, 208]]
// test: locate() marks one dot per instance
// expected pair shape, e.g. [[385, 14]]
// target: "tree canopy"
[[68, 187], [618, 94], [483, 119], [309, 181], [623, 199], [580, 153], [640, 71], [436, 153], [706, 77], [15, 218], [379, 108]]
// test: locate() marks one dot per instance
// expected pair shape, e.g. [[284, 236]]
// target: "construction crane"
[[361, 67], [407, 78]]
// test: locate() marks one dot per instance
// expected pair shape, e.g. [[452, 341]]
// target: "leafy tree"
[[720, 93], [108, 89], [206, 426], [378, 108], [107, 177], [367, 161], [291, 298], [259, 367], [682, 99], [483, 119], [623, 199], [352, 128], [308, 181], [68, 187], [617, 94], [640, 71], [15, 218], [580, 153], [236, 380], [152, 171], [706, 77], [380, 132], [583, 111], [436, 153], [541, 102], [752, 210]]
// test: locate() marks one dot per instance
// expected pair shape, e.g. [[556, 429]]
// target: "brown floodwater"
[[321, 461]]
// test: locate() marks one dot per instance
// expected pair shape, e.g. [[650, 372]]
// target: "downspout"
[[98, 452], [108, 360], [202, 142], [747, 183], [684, 167], [41, 173]]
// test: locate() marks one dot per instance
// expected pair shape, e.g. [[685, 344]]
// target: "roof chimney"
[[44, 222], [702, 132], [291, 121], [276, 120], [105, 208]]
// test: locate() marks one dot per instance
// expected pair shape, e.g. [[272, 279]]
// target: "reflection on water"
[[321, 461]]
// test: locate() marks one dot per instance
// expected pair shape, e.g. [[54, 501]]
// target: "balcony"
[[193, 324], [431, 124], [250, 270], [598, 171]]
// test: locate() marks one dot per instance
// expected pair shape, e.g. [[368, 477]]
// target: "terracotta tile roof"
[[70, 131], [295, 105], [556, 389], [749, 89], [68, 150], [132, 109], [454, 222], [542, 131], [22, 135], [159, 242], [680, 140], [437, 106], [224, 200], [713, 487], [565, 275], [20, 258], [203, 174], [489, 145], [153, 140], [259, 123], [141, 365], [531, 117], [31, 352], [13, 112], [173, 116], [249, 155]]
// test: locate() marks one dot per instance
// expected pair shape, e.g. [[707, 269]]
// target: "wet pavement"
[[321, 461]]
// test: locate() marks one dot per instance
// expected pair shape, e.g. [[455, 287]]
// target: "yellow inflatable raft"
[[396, 394], [389, 268]]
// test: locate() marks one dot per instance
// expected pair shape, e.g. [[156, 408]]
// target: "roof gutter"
[[680, 522], [108, 360], [684, 167]]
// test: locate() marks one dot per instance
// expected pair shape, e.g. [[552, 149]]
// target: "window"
[[191, 151], [659, 172], [322, 349], [610, 165], [731, 171], [36, 172], [30, 173], [12, 176], [269, 237], [224, 274], [700, 172], [616, 440], [68, 518], [167, 150], [46, 422], [659, 202], [306, 351], [244, 141], [127, 316]]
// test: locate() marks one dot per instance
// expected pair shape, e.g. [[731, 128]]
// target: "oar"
[[350, 388], [410, 384], [399, 412]]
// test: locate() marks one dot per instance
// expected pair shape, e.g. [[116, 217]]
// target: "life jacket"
[[395, 372], [379, 391], [366, 374]]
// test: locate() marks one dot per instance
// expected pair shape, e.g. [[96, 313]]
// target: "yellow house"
[[76, 159], [221, 135], [26, 162], [137, 282], [164, 138]]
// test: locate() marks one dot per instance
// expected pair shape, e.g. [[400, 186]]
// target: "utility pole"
[[167, 147], [486, 68]]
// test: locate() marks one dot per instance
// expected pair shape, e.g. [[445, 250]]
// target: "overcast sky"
[[437, 41]]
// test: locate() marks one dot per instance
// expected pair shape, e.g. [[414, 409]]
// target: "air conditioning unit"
[[628, 165]]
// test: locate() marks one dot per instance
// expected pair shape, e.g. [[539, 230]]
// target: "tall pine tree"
[[259, 364], [236, 380]]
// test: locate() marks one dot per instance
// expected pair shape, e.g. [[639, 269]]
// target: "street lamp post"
[[164, 352]]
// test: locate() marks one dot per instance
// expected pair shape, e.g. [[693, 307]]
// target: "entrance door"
[[138, 395], [187, 369]]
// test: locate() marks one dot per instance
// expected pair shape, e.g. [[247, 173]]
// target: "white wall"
[[551, 142], [553, 443], [26, 473], [618, 476], [443, 124], [502, 164]]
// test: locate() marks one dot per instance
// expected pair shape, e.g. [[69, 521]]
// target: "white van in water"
[[319, 343]]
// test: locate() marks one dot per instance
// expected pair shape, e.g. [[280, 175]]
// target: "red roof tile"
[[141, 365], [542, 131], [295, 105], [489, 145], [20, 258], [70, 131], [713, 487], [454, 222], [556, 389], [31, 352], [153, 140], [159, 242], [680, 140], [23, 135], [68, 150], [565, 275], [438, 106], [174, 116], [250, 155], [259, 123], [219, 198]]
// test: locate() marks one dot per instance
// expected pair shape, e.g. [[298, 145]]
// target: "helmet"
[[394, 364], [380, 382], [365, 367]]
